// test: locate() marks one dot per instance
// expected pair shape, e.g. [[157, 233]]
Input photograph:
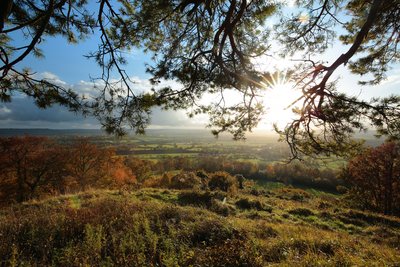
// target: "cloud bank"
[[21, 112]]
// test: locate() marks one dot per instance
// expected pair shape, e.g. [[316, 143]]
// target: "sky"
[[66, 64]]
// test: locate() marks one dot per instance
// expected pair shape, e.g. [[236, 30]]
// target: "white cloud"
[[52, 78], [392, 79], [87, 89], [91, 88], [4, 110], [144, 85], [288, 3]]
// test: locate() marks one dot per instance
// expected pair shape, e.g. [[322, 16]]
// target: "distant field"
[[159, 143]]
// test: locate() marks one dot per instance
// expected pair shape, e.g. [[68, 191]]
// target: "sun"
[[277, 99]]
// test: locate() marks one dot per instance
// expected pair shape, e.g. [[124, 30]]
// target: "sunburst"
[[279, 94]]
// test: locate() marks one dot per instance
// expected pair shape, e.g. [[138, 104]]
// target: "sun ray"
[[278, 99]]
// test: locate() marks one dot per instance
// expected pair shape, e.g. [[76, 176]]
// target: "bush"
[[324, 205], [222, 207], [246, 203], [263, 230], [258, 192], [235, 252], [202, 174], [186, 180], [199, 199], [211, 232], [293, 194], [282, 250], [223, 181], [364, 218], [240, 179], [165, 180], [301, 212], [212, 201], [382, 234], [342, 189], [373, 178]]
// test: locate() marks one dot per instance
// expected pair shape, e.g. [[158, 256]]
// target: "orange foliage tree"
[[26, 163], [91, 166], [375, 178]]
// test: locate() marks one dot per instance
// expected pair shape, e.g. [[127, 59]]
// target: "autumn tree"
[[139, 167], [119, 175], [87, 163], [374, 177], [210, 47], [92, 166], [28, 163], [47, 171]]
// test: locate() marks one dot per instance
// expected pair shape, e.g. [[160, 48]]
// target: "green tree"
[[209, 46]]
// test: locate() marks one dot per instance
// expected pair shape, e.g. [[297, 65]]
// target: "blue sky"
[[66, 63]]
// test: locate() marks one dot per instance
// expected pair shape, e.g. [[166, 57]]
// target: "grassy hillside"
[[257, 226]]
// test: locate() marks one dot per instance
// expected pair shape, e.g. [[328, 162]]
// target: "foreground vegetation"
[[262, 224]]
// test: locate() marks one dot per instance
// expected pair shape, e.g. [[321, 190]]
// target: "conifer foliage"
[[210, 47]]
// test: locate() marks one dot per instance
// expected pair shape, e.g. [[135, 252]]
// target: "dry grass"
[[169, 227]]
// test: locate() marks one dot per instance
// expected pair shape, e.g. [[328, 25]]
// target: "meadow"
[[260, 225]]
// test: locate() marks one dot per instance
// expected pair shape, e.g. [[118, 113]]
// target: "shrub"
[[211, 232], [363, 218], [263, 230], [301, 212], [222, 207], [246, 203], [223, 181], [200, 199], [165, 180], [240, 179], [293, 194], [282, 250], [185, 180], [232, 252], [258, 192], [342, 189], [209, 200], [202, 174], [324, 205], [383, 234], [112, 233], [155, 181]]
